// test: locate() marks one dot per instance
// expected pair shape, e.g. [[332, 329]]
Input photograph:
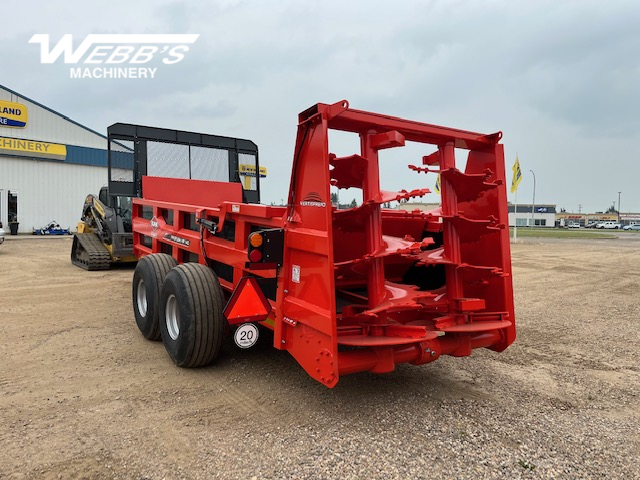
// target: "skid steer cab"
[[359, 289]]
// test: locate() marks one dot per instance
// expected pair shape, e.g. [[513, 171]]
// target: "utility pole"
[[619, 206], [533, 203], [515, 216]]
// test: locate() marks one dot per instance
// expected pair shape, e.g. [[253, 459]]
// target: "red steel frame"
[[343, 303]]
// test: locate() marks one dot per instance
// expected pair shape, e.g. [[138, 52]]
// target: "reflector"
[[255, 240], [247, 303], [255, 255]]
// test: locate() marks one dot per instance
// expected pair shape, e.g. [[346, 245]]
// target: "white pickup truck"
[[609, 224]]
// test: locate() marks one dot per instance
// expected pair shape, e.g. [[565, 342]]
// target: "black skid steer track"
[[89, 253]]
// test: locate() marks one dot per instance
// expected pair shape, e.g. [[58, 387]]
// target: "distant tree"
[[612, 209], [353, 204], [334, 199], [562, 210]]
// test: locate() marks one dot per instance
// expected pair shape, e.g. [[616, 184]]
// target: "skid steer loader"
[[104, 232]]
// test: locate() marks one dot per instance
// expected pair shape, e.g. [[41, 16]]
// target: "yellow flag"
[[517, 175], [438, 185]]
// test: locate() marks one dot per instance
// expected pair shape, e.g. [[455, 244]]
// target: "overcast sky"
[[560, 79]]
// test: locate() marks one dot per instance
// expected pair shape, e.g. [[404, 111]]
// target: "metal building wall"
[[47, 191], [526, 216], [44, 125]]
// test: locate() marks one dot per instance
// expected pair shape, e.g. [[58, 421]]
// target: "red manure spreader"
[[344, 290]]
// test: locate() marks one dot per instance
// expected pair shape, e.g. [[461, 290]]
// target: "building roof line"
[[64, 117]]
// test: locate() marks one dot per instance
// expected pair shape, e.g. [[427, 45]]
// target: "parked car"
[[574, 225], [1, 234], [609, 225], [591, 225], [632, 227]]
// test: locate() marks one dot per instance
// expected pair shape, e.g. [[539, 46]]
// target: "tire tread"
[[198, 285], [153, 269]]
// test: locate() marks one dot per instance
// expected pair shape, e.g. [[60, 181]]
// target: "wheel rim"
[[141, 298], [171, 315]]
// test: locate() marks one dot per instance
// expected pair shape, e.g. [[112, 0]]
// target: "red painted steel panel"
[[203, 193]]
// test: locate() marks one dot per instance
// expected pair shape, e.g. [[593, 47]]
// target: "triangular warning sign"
[[247, 303]]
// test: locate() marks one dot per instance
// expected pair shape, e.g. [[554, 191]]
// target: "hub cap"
[[171, 315], [141, 298]]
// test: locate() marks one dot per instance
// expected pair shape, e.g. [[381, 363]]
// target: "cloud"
[[559, 78]]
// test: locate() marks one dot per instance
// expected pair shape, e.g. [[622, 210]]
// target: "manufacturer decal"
[[175, 239], [295, 273], [154, 226], [290, 321], [313, 199]]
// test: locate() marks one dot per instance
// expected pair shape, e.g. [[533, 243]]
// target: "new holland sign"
[[250, 170], [12, 114]]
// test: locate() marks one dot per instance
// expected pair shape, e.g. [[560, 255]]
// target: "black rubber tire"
[[192, 300], [150, 273]]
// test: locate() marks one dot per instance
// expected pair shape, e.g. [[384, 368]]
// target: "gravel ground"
[[83, 395]]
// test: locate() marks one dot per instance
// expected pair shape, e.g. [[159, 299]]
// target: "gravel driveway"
[[83, 395]]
